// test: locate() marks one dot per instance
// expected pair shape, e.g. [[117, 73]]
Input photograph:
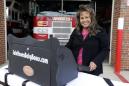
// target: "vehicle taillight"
[[42, 23]]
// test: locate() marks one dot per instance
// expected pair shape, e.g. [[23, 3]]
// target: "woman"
[[88, 42]]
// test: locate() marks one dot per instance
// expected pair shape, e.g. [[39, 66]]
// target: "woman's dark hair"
[[92, 27]]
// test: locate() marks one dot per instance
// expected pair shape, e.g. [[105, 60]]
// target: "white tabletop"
[[83, 79]]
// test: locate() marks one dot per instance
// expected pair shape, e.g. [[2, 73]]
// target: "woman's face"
[[85, 19]]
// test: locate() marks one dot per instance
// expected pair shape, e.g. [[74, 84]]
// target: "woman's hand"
[[92, 66]]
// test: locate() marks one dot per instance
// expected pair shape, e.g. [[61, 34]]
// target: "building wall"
[[125, 44], [121, 10], [2, 33]]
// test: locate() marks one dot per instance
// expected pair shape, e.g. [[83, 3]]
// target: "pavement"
[[125, 73], [108, 72]]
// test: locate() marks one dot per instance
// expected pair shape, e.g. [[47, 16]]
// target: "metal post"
[[62, 5], [119, 44]]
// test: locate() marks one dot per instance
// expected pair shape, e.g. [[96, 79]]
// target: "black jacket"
[[95, 48]]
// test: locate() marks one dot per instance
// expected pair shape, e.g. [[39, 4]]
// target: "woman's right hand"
[[92, 66]]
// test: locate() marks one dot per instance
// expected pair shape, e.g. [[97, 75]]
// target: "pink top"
[[85, 34]]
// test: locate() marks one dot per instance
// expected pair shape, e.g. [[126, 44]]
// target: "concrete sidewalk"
[[108, 72], [125, 73]]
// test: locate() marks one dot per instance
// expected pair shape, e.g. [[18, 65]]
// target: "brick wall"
[[2, 33], [125, 44], [116, 14], [121, 10]]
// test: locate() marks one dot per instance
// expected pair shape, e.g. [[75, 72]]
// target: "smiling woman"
[[85, 19], [88, 42]]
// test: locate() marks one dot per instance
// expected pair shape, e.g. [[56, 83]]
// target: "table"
[[83, 79]]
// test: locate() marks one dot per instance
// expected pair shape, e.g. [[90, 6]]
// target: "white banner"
[[121, 23]]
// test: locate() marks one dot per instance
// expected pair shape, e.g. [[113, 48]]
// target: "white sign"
[[61, 19], [7, 12], [121, 23], [127, 2]]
